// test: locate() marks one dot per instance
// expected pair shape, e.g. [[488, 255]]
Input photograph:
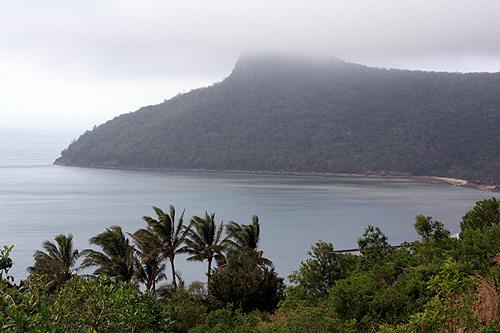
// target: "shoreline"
[[420, 179]]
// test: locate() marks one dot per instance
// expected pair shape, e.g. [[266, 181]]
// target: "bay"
[[39, 200]]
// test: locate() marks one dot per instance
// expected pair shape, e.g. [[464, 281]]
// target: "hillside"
[[280, 114]]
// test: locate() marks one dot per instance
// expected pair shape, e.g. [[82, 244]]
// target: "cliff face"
[[294, 115]]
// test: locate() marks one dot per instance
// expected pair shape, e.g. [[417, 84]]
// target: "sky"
[[77, 64]]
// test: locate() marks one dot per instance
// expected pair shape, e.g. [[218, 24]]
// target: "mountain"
[[281, 114]]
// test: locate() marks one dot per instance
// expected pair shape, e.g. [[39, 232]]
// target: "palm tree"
[[204, 241], [116, 260], [148, 248], [244, 240], [162, 239], [195, 288], [57, 262]]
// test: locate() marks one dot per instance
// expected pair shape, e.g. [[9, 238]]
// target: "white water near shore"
[[39, 200]]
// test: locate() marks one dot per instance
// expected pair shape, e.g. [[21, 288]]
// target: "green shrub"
[[186, 312], [307, 319], [374, 247], [227, 319], [246, 285], [85, 305], [351, 297], [451, 309], [484, 214], [319, 273]]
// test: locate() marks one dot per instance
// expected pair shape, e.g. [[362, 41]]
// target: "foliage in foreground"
[[436, 284], [81, 305], [247, 285]]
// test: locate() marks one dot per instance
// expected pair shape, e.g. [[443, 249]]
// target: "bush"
[[371, 298], [318, 274], [246, 285], [85, 305], [307, 319], [225, 320], [374, 247], [351, 297], [5, 263], [451, 309], [484, 214], [186, 311]]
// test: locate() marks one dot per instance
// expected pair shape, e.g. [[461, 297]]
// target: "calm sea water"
[[39, 201]]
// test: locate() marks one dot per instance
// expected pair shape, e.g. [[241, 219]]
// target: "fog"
[[79, 63]]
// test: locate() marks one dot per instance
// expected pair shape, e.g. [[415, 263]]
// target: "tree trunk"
[[153, 277], [209, 269], [173, 272]]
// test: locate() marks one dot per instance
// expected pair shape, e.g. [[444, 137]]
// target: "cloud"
[[89, 60]]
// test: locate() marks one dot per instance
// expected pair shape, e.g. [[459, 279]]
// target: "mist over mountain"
[[282, 114]]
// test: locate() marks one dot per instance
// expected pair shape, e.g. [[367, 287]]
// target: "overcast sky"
[[80, 63]]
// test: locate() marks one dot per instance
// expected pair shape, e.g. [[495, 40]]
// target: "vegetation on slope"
[[292, 115]]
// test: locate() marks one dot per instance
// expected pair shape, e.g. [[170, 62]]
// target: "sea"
[[39, 200]]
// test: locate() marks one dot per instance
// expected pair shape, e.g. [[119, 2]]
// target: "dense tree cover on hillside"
[[291, 115], [436, 284]]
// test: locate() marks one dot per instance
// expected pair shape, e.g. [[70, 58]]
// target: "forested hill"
[[282, 114]]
